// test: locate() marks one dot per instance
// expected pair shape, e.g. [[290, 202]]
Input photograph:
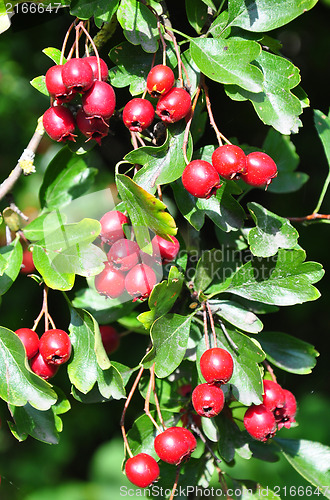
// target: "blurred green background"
[[86, 465]]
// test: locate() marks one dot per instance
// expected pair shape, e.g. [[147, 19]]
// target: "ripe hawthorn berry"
[[142, 470], [40, 367], [55, 346], [286, 416], [229, 161], [273, 396], [160, 80], [216, 365], [92, 128], [59, 123], [77, 75], [208, 400], [138, 114], [27, 262], [112, 226], [110, 282], [55, 85], [200, 179], [167, 250], [260, 422], [174, 105], [124, 254], [260, 169], [140, 281], [92, 61], [175, 445], [110, 338], [30, 341], [99, 101]]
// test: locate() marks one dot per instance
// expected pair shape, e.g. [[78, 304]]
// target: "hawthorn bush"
[[178, 253]]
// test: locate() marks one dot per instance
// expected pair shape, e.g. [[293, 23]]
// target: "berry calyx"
[[92, 61], [167, 250], [77, 75], [59, 124], [124, 254], [208, 400], [55, 85], [142, 470], [30, 341], [55, 346], [99, 101], [40, 367], [110, 338], [229, 161], [110, 282], [260, 422], [216, 365], [260, 169], [175, 445], [92, 128], [200, 179], [174, 105], [286, 416], [273, 396], [160, 80], [112, 226], [138, 114], [140, 281]]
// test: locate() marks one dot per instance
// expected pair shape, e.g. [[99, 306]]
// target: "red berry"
[[55, 85], [175, 445], [142, 470], [27, 262], [160, 80], [77, 75], [274, 396], [59, 124], [200, 179], [124, 254], [99, 101], [185, 390], [208, 400], [168, 250], [216, 365], [140, 281], [138, 114], [40, 367], [30, 341], [286, 416], [92, 61], [260, 422], [110, 338], [174, 105], [55, 346], [112, 226], [92, 128], [260, 169], [229, 161], [110, 282]]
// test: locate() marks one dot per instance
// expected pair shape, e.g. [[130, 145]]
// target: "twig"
[[219, 135], [311, 217]]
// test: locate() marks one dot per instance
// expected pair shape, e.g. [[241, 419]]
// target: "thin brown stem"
[[219, 135], [176, 481], [151, 385], [206, 335], [178, 55], [187, 129], [159, 192], [65, 42], [211, 323], [94, 49], [270, 370], [45, 308], [310, 217]]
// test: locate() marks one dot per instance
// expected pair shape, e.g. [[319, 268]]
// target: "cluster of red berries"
[[277, 410], [86, 76], [46, 354], [217, 367], [202, 179], [128, 268]]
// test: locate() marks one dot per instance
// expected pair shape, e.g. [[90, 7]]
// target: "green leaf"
[[54, 54], [66, 178], [163, 164], [283, 151], [207, 268], [288, 353], [322, 124], [310, 459], [53, 278], [283, 280], [162, 298], [231, 439], [237, 315], [42, 425], [139, 24], [145, 211], [228, 61], [167, 393], [39, 83], [271, 232], [276, 105], [104, 9], [169, 336], [90, 363], [265, 15], [18, 384], [196, 14], [11, 260]]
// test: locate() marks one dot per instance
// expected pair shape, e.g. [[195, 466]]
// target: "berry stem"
[[204, 440], [44, 312], [65, 41], [206, 335], [312, 217], [94, 49], [228, 337], [270, 370], [219, 135], [175, 485], [187, 129], [211, 323], [151, 386], [178, 56]]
